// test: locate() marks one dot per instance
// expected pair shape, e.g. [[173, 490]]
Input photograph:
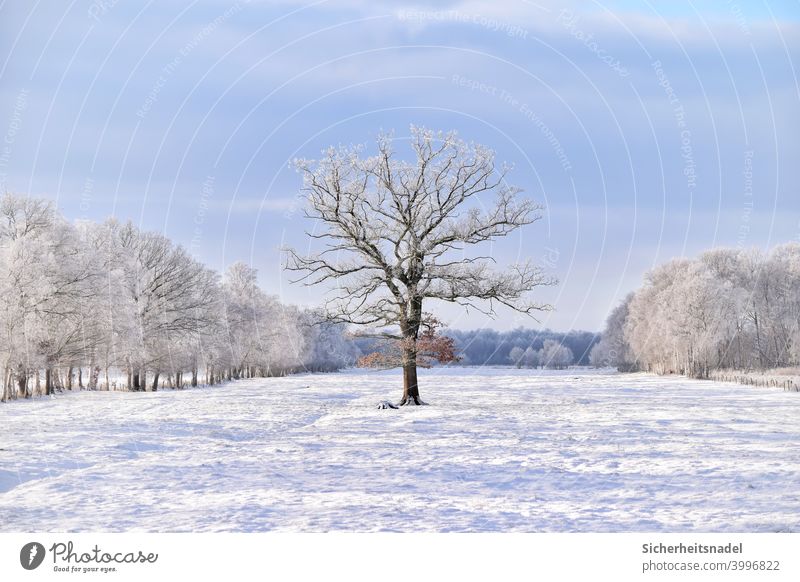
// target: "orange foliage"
[[431, 347]]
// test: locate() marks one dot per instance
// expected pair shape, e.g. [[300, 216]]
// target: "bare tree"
[[396, 234], [555, 355], [170, 299], [25, 224], [110, 297], [727, 309]]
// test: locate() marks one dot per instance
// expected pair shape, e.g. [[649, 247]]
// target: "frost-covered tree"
[[532, 359], [516, 356], [728, 308], [524, 358], [398, 234], [67, 329], [246, 320], [286, 354], [555, 355], [328, 345], [493, 348], [265, 337], [82, 302], [168, 298], [24, 227], [613, 349]]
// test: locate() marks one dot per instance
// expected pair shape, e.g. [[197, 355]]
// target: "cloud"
[[279, 79]]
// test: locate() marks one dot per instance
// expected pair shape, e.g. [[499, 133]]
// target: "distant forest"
[[490, 347], [480, 347]]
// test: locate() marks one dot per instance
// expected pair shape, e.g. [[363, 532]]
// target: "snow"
[[497, 450]]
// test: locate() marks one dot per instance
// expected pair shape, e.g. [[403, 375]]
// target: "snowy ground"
[[499, 449]]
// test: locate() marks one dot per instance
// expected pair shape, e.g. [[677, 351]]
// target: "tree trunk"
[[155, 382], [136, 385], [70, 373], [48, 381], [6, 380], [22, 383], [80, 377], [410, 385], [194, 377]]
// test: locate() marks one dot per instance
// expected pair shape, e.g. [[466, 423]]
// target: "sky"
[[648, 130]]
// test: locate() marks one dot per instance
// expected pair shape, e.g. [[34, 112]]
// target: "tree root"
[[412, 401]]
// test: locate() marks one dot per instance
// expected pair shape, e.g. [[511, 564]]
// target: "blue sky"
[[649, 130]]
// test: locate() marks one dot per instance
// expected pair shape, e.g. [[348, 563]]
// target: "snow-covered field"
[[498, 450]]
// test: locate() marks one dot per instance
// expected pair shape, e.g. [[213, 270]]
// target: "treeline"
[[523, 347], [727, 309], [102, 306]]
